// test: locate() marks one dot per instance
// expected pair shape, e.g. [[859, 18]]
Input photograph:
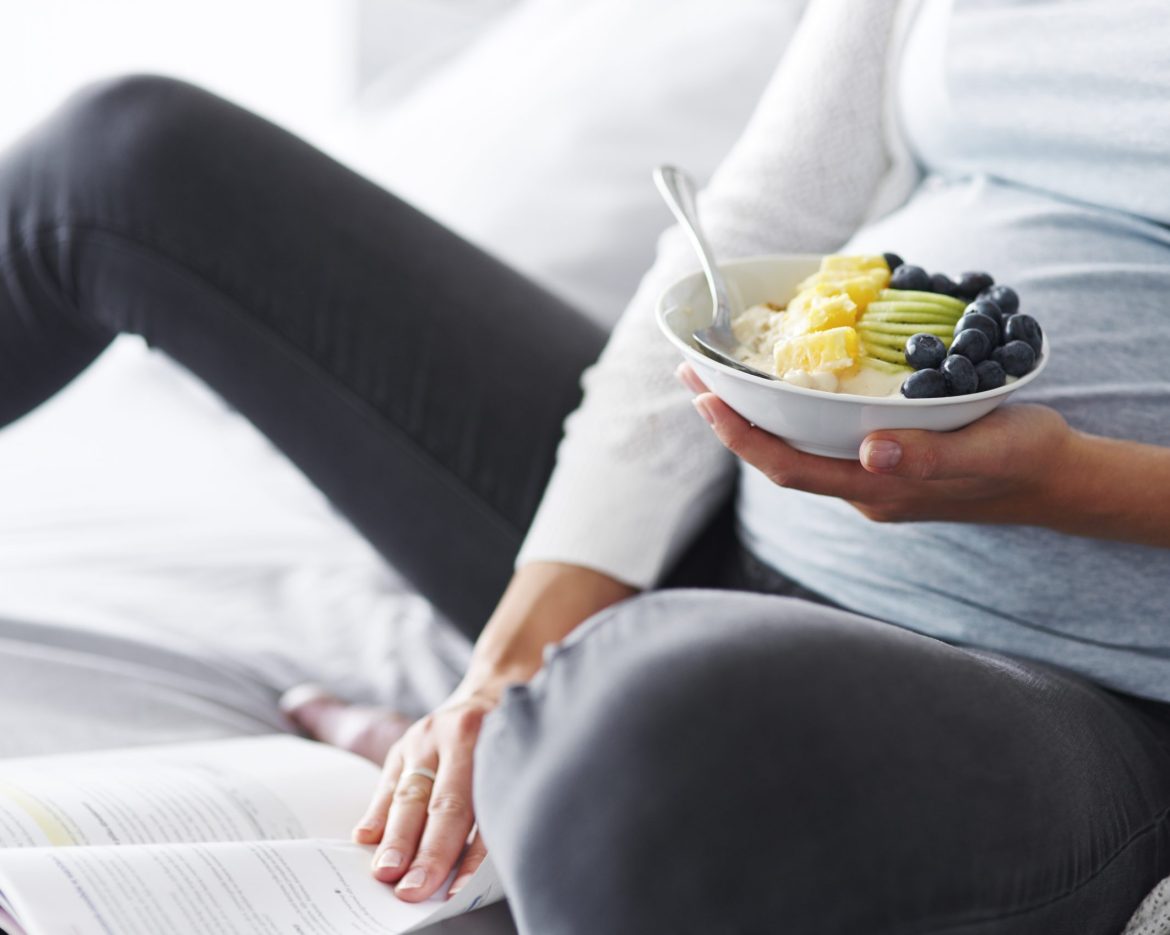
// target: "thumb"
[[922, 455]]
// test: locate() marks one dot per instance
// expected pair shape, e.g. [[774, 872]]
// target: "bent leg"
[[698, 762], [417, 381]]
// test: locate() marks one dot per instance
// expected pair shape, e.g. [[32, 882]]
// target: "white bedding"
[[136, 503]]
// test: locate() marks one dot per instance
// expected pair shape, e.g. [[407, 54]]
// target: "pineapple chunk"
[[862, 286], [820, 308], [835, 349], [862, 289], [841, 262], [879, 275]]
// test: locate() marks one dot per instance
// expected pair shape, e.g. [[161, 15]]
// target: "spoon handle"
[[678, 191]]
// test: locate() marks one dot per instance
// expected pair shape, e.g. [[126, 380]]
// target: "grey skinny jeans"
[[688, 762]]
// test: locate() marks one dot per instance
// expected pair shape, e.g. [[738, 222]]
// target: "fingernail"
[[413, 880], [704, 409], [881, 454], [686, 377], [456, 887], [390, 860]]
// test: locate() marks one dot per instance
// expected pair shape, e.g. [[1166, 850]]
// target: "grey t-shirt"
[[1045, 130]]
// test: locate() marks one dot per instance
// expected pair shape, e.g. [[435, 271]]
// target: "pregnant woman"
[[924, 692]]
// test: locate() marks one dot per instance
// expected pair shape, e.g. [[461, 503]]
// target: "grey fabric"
[[65, 690], [1063, 98], [704, 762], [1097, 281], [1046, 132]]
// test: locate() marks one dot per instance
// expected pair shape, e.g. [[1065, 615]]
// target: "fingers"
[[925, 456], [449, 820], [780, 463], [994, 446], [687, 376], [373, 823], [783, 464], [475, 855], [404, 823], [912, 454]]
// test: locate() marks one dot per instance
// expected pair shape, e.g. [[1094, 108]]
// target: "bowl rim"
[[662, 310]]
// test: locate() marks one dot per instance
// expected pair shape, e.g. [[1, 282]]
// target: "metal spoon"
[[717, 340]]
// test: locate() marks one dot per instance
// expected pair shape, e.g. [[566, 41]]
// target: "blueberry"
[[959, 374], [991, 375], [1024, 328], [971, 284], [924, 351], [988, 308], [942, 284], [1003, 296], [1016, 358], [924, 384], [893, 261], [980, 322], [972, 344], [911, 278]]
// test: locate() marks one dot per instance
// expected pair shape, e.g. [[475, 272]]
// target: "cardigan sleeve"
[[638, 472]]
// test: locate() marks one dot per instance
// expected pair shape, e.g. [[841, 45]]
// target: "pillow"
[[538, 141]]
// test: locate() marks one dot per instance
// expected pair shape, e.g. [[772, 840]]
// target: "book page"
[[252, 888], [245, 789]]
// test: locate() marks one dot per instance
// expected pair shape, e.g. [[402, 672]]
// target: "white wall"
[[291, 60]]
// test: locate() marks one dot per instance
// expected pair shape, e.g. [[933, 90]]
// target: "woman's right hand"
[[420, 825]]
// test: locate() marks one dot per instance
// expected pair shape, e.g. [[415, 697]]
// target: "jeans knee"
[[683, 732], [132, 130], [121, 142], [112, 100], [752, 751]]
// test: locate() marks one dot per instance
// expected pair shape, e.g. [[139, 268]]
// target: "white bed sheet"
[[136, 503]]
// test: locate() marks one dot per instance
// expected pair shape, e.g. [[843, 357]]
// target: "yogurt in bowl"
[[805, 408]]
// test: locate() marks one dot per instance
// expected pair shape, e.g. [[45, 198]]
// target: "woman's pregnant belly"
[[1099, 283]]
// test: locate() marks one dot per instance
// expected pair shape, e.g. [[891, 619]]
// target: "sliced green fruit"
[[934, 298], [896, 339], [896, 342], [895, 318], [943, 330], [885, 366], [906, 310], [887, 354]]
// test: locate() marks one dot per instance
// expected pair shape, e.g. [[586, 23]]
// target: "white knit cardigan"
[[639, 472]]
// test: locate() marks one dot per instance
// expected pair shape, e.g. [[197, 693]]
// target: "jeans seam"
[[346, 395]]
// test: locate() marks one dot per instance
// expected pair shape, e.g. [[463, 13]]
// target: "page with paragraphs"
[[245, 789], [252, 888]]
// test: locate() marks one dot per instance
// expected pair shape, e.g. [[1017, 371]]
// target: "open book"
[[234, 836]]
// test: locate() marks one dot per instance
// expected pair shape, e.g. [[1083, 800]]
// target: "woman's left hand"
[[1004, 468]]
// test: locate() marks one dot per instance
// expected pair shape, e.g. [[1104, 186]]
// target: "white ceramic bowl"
[[832, 424]]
